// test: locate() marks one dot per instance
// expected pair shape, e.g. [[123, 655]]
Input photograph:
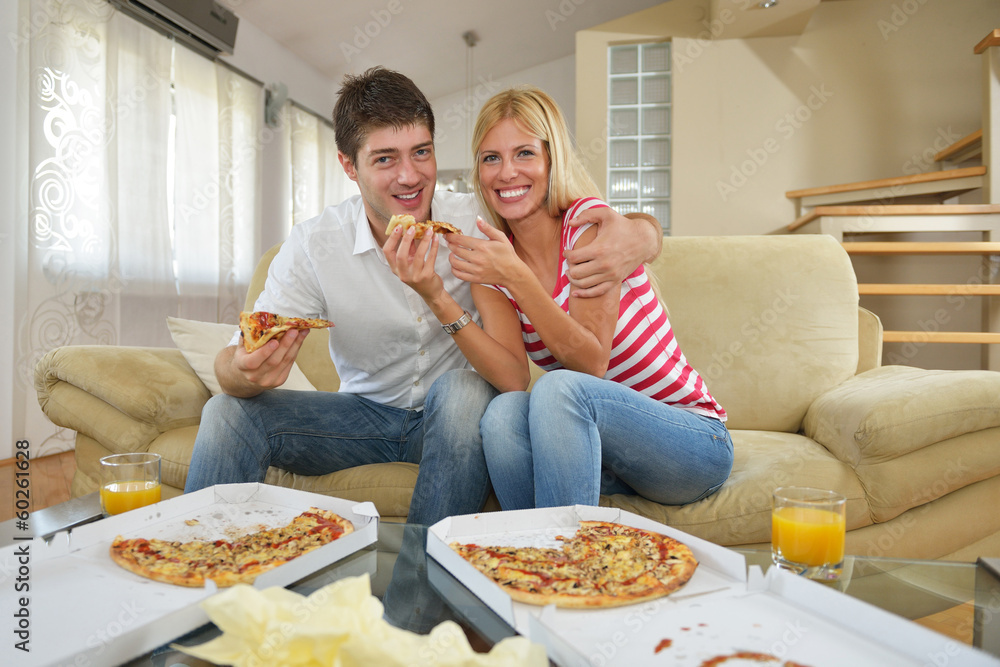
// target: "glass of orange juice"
[[129, 481], [807, 531]]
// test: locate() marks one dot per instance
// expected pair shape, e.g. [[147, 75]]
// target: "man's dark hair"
[[373, 100]]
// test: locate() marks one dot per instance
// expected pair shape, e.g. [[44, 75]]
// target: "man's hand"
[[622, 244], [245, 374], [489, 261], [413, 261]]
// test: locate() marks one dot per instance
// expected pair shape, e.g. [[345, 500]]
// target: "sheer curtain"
[[318, 180], [144, 181]]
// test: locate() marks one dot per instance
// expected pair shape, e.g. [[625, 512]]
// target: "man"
[[407, 392]]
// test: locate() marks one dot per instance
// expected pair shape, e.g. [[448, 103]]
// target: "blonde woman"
[[620, 410]]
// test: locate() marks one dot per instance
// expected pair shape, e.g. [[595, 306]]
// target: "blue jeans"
[[315, 433], [576, 436]]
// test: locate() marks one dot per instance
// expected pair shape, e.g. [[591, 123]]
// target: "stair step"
[[992, 39], [966, 148], [918, 248], [908, 289], [941, 184], [939, 337], [880, 210]]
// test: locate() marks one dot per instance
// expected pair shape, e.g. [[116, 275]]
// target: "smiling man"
[[407, 393]]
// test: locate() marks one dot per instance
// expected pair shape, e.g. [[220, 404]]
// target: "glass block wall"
[[639, 129]]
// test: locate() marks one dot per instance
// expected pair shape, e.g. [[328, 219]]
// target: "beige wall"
[[864, 92]]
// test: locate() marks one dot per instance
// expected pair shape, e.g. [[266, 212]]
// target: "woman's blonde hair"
[[538, 115]]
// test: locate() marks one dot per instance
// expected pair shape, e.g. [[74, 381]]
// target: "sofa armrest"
[[890, 411], [123, 397]]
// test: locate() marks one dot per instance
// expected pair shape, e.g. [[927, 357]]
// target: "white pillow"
[[200, 343]]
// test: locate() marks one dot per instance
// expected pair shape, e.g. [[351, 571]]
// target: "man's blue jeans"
[[314, 433], [576, 436]]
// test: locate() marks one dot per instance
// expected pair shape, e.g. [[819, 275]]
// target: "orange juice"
[[808, 536], [118, 497]]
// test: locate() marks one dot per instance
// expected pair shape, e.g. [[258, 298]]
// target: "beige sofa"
[[772, 323]]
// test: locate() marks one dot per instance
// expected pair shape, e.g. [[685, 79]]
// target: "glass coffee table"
[[967, 594]]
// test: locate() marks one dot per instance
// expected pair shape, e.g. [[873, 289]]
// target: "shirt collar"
[[363, 238]]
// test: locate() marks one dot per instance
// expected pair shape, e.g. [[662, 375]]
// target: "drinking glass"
[[129, 481], [807, 531]]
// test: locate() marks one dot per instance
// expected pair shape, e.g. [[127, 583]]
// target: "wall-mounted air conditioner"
[[205, 25]]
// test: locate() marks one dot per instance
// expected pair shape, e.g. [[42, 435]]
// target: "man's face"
[[396, 172]]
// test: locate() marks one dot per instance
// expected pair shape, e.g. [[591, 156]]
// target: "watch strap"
[[453, 327]]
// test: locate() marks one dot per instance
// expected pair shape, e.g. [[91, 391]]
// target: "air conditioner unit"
[[204, 25]]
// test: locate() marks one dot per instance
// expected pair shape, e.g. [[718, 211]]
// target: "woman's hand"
[[489, 261]]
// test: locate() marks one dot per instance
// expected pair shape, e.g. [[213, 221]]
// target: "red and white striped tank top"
[[644, 354]]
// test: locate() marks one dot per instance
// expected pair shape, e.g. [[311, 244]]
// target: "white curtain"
[[318, 180], [144, 178]]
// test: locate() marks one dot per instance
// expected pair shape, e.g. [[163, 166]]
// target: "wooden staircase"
[[967, 148], [936, 186], [922, 205]]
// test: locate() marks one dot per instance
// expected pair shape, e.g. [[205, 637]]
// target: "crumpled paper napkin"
[[339, 625]]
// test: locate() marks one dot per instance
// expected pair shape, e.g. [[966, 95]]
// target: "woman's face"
[[513, 171]]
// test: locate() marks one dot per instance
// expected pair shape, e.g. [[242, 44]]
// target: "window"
[[639, 130]]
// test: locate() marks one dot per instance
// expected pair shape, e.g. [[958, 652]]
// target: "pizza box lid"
[[83, 609], [725, 609]]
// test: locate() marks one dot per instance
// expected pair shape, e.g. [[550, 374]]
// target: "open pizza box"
[[86, 610], [722, 612]]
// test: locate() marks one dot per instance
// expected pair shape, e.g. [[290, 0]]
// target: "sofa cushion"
[[922, 476], [893, 410], [767, 346], [200, 343], [153, 390], [388, 485], [740, 512]]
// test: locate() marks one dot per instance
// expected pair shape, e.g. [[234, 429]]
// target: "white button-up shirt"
[[386, 343]]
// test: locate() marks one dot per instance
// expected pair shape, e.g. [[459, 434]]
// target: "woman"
[[621, 410]]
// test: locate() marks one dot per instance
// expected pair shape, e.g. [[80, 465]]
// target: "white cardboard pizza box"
[[86, 610], [722, 611]]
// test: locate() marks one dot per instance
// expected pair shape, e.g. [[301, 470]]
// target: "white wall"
[[863, 93], [454, 118]]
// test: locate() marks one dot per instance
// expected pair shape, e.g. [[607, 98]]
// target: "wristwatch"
[[452, 328]]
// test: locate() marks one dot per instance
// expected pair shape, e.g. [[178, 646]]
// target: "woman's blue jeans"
[[315, 433], [575, 436]]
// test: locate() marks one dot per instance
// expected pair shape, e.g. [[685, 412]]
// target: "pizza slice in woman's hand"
[[260, 327]]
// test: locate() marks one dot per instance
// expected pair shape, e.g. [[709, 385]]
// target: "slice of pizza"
[[406, 221], [260, 327]]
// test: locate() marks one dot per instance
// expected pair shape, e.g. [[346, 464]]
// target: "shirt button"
[[420, 319], [417, 383], [423, 352]]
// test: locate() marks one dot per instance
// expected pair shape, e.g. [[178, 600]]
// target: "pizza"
[[603, 565], [260, 327], [406, 221], [227, 563]]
